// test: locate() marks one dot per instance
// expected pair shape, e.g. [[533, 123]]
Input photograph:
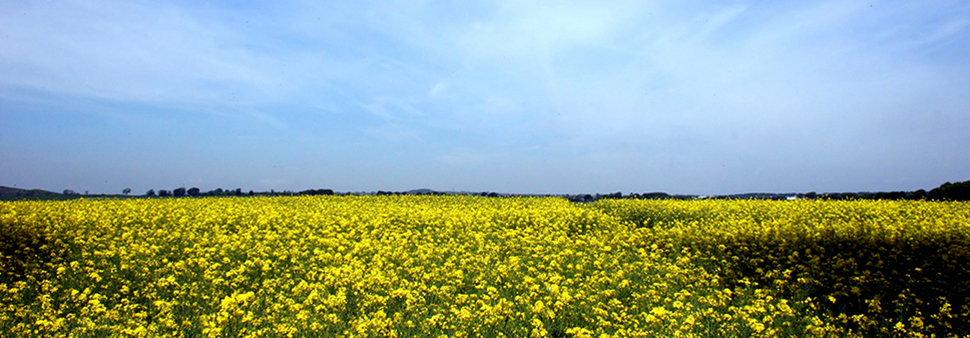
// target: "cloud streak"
[[687, 97]]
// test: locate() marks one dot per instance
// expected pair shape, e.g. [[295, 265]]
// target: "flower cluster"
[[870, 268], [420, 266]]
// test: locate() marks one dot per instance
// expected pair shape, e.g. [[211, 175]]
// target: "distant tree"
[[615, 195], [959, 191], [164, 193], [150, 193], [313, 192], [69, 192], [655, 195], [252, 193], [893, 195], [193, 191], [179, 192], [126, 191], [238, 192]]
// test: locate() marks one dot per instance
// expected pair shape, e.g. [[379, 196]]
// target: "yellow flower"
[[900, 326]]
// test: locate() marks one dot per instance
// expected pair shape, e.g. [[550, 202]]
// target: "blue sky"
[[687, 97]]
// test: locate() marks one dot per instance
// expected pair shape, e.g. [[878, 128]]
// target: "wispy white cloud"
[[439, 89], [624, 89], [121, 51]]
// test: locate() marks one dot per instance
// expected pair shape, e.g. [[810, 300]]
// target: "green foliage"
[[23, 250], [959, 191], [865, 265]]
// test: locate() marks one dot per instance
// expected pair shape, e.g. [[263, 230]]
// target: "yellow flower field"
[[430, 266]]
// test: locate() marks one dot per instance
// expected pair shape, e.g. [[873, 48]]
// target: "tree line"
[[959, 191], [196, 192]]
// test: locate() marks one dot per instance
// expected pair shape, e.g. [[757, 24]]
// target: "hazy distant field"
[[422, 266]]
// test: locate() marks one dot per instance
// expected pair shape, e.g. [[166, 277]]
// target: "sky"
[[546, 97]]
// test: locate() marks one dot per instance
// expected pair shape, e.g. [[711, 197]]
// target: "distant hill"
[[17, 192]]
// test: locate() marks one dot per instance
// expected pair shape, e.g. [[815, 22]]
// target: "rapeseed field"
[[462, 266]]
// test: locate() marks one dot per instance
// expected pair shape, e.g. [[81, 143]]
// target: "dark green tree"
[[959, 191]]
